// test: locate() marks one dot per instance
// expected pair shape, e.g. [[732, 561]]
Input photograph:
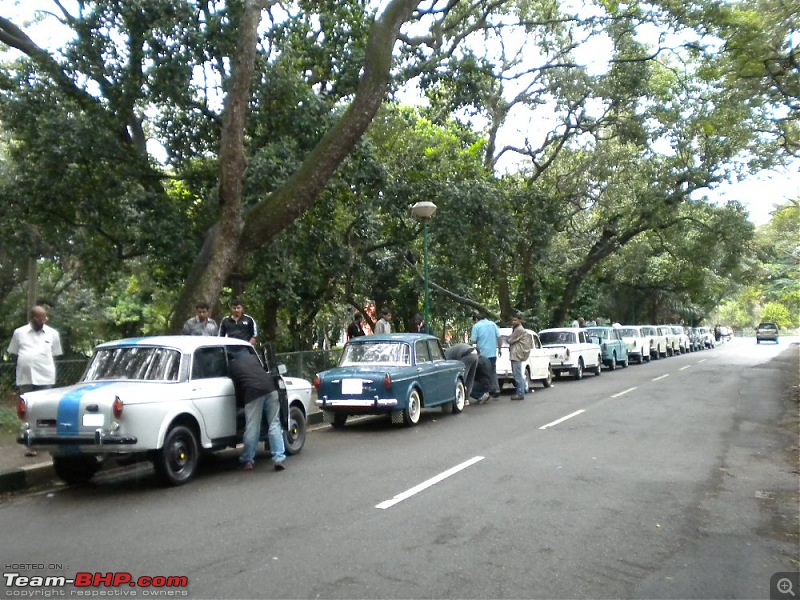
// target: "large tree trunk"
[[219, 253], [239, 235]]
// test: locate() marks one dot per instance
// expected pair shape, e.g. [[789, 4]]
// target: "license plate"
[[352, 386], [93, 420]]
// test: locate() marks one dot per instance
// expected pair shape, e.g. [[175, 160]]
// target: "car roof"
[[184, 343], [572, 329], [391, 337]]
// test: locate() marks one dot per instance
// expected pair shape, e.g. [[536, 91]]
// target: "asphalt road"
[[677, 480]]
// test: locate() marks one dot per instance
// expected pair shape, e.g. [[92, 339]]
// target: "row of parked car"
[[574, 350], [169, 399]]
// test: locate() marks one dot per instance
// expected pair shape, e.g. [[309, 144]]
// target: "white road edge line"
[[622, 393], [426, 484], [662, 377], [686, 367], [562, 419]]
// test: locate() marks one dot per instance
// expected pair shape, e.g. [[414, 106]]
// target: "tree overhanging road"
[[678, 479]]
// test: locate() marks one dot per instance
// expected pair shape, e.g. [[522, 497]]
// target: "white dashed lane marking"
[[426, 484]]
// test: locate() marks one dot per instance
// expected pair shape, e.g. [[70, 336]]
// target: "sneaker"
[[466, 402], [517, 397], [248, 466], [30, 452], [280, 466], [483, 398]]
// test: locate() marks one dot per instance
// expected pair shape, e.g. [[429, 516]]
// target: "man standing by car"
[[257, 389], [384, 323], [200, 324], [239, 325], [355, 328], [519, 349], [35, 345], [486, 336]]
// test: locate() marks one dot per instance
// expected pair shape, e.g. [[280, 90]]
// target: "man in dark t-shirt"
[[239, 325], [355, 329], [259, 392]]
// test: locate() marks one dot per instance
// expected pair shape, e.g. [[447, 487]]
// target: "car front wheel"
[[612, 366], [75, 469], [176, 462], [295, 437], [548, 381], [412, 411], [579, 370]]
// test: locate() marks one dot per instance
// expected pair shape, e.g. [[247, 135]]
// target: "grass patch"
[[9, 423]]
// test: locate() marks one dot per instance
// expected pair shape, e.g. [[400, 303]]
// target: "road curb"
[[21, 478]]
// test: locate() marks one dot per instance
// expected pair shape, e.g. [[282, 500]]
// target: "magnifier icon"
[[785, 586]]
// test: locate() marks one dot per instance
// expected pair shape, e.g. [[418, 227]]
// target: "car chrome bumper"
[[325, 402], [98, 438]]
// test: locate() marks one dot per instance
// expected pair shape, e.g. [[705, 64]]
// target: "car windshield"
[[602, 334], [770, 326], [557, 337], [376, 353], [625, 332], [134, 362]]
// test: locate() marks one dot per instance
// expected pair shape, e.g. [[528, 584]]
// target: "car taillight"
[[317, 382], [22, 408], [117, 407], [387, 381]]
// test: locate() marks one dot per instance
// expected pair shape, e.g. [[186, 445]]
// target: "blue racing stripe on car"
[[68, 416]]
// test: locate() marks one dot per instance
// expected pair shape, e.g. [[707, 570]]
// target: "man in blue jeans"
[[260, 394], [519, 349]]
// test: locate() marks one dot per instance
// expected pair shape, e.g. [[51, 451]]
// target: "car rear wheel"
[[461, 395], [612, 366], [176, 462], [295, 438], [599, 368], [75, 469], [412, 412], [579, 370]]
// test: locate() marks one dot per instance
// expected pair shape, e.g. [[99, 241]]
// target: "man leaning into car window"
[[260, 394]]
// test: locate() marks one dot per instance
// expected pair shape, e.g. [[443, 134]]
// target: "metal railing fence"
[[298, 364]]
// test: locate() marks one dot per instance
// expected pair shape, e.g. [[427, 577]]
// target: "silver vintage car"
[[165, 399]]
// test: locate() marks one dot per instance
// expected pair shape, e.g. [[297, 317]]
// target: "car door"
[[539, 360], [443, 378], [212, 391], [425, 372], [589, 351]]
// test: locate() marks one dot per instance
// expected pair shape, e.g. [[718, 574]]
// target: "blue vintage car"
[[614, 349], [397, 374]]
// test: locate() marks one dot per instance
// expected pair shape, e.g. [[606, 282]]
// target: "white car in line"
[[536, 368], [638, 340], [707, 335], [658, 341], [576, 353], [683, 341], [166, 399], [670, 339]]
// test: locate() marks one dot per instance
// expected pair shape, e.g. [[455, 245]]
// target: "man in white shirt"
[[35, 345]]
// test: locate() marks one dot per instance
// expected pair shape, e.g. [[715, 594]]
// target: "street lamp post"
[[423, 211]]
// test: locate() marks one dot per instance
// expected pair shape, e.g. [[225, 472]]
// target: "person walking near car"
[[486, 336], [35, 345], [258, 391], [238, 324], [469, 356], [420, 326], [519, 349], [200, 324], [355, 328], [384, 324]]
